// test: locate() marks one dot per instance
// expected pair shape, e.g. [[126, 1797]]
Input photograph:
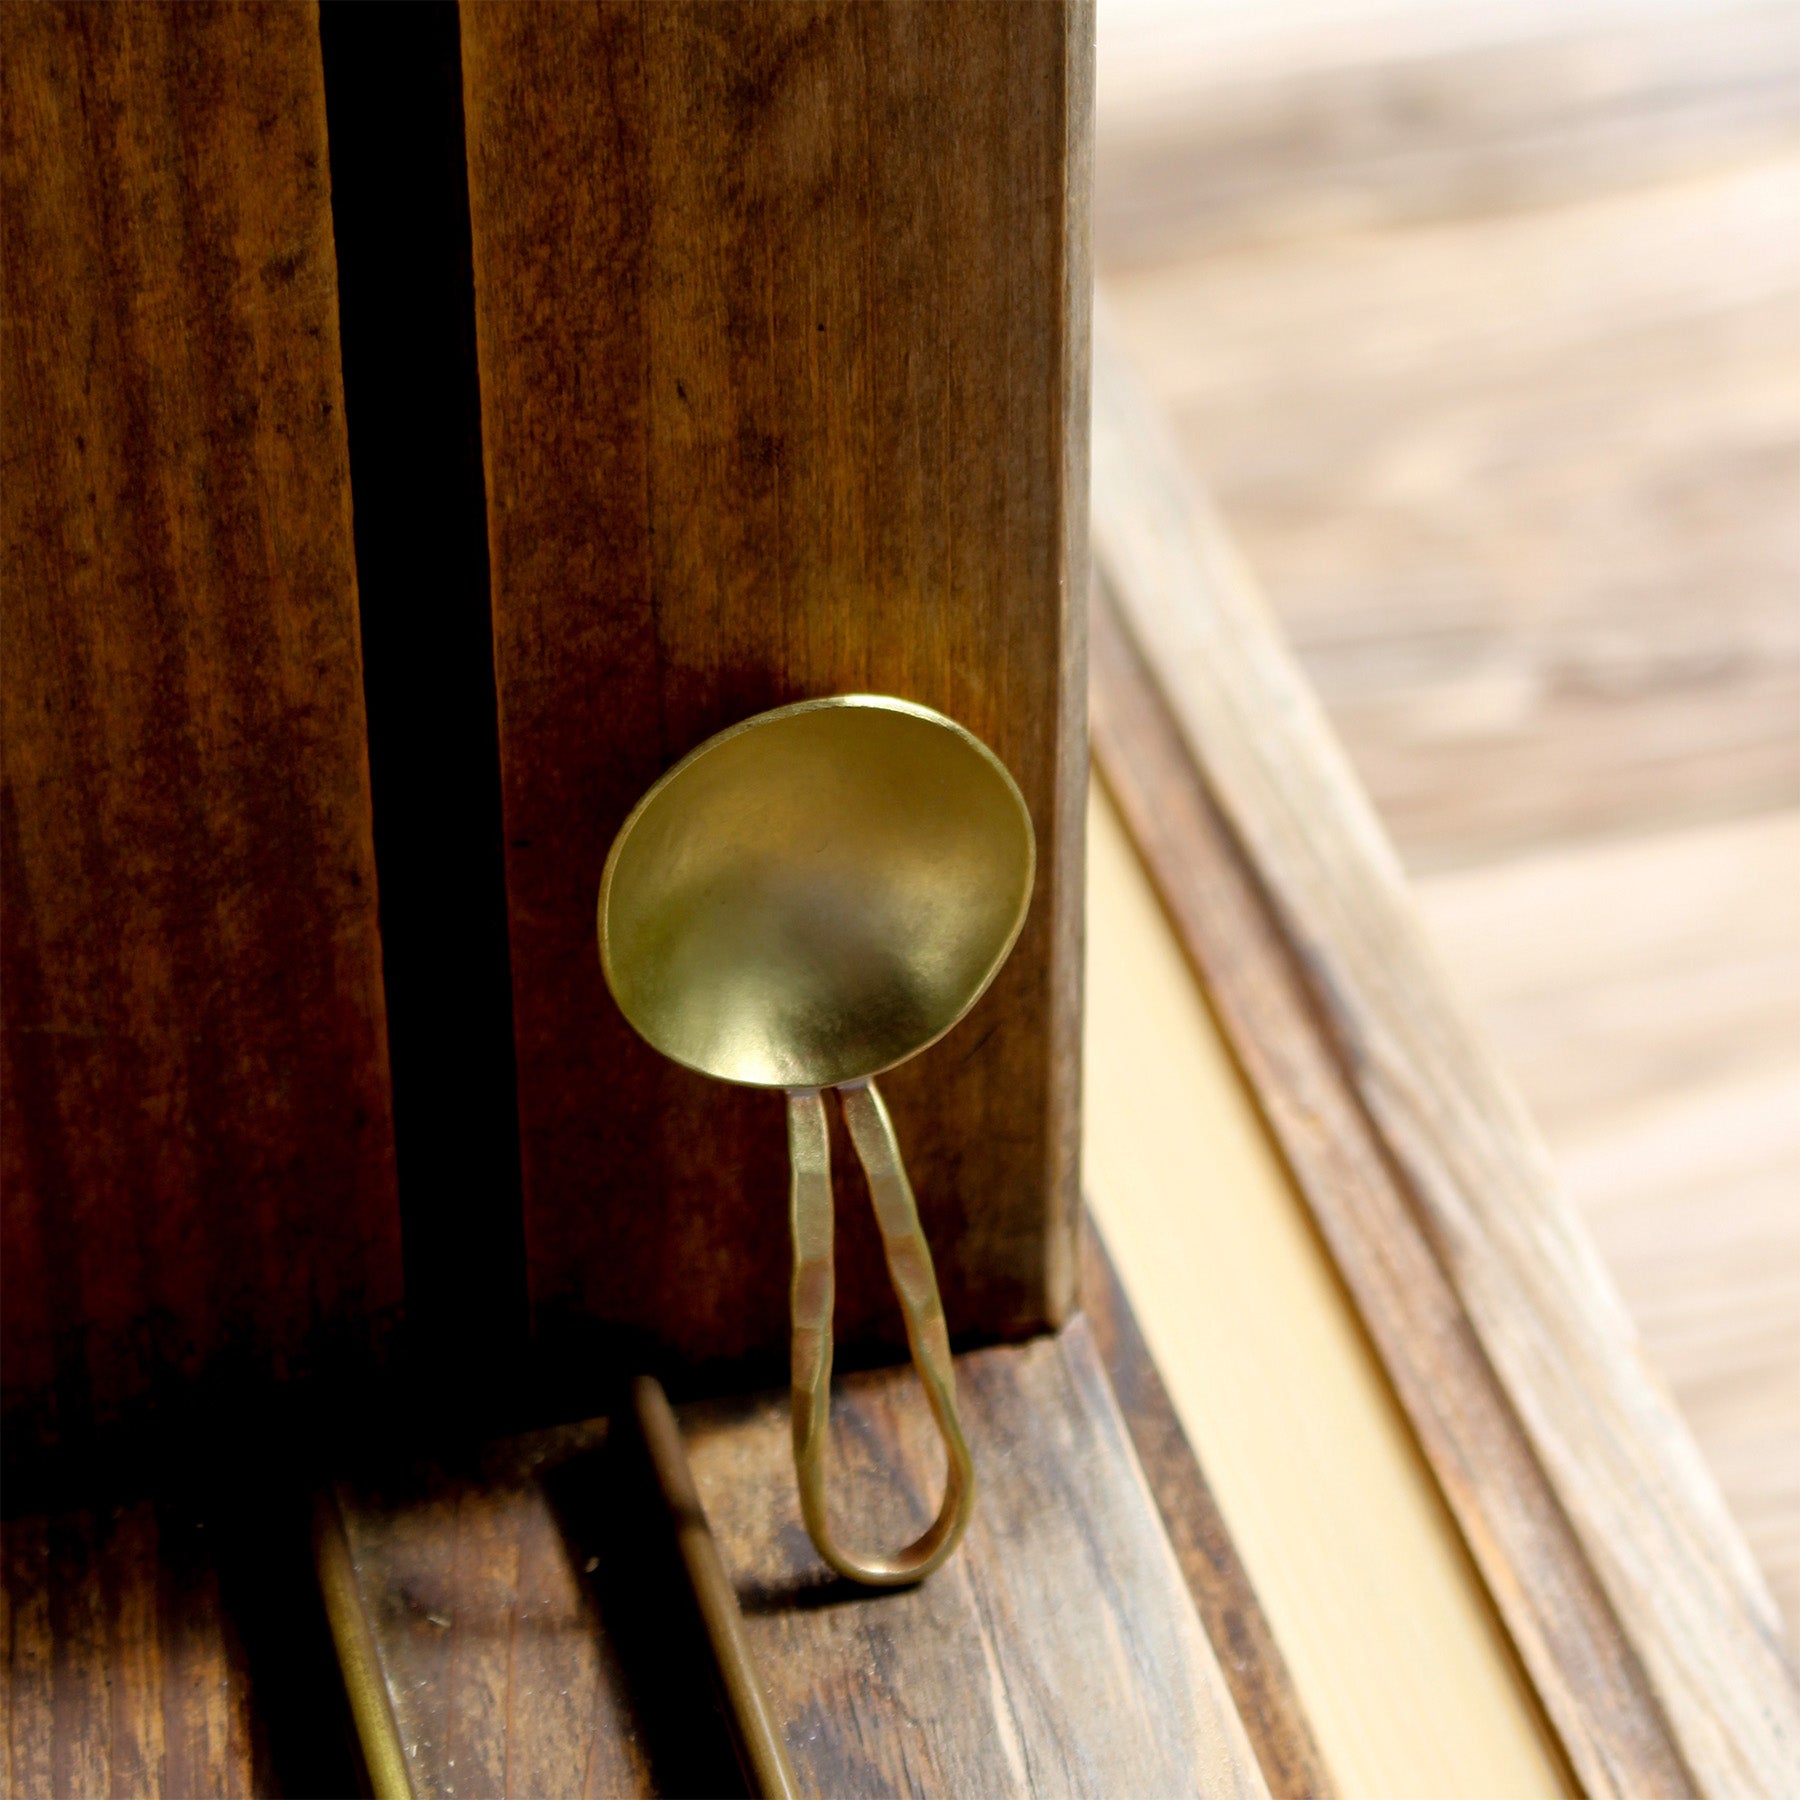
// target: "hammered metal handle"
[[915, 1283]]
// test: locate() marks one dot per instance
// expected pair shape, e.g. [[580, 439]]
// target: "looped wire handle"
[[915, 1283]]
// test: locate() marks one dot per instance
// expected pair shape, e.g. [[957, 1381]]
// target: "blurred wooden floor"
[[1485, 333]]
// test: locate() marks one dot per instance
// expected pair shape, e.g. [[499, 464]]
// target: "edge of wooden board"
[[1628, 1592], [1231, 1611], [1398, 1658]]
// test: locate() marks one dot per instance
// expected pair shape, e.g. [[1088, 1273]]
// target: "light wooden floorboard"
[[1616, 975], [1524, 492], [1483, 327]]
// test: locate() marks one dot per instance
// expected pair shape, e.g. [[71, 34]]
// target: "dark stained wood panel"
[[123, 1674], [519, 1608], [495, 1668], [781, 314], [170, 1649], [197, 1150]]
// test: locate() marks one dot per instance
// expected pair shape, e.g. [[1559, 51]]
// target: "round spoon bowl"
[[816, 894]]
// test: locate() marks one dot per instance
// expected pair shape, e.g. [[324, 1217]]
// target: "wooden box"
[[423, 426]]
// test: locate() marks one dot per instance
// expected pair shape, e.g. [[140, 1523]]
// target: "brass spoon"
[[803, 902]]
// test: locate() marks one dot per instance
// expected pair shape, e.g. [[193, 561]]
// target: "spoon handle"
[[915, 1283]]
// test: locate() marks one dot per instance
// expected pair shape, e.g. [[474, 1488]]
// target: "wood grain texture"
[[521, 1608], [781, 318], [1222, 127], [1588, 1682], [1504, 1336], [1261, 1686], [1484, 466], [197, 1150], [498, 1671], [123, 1674], [1577, 954], [1645, 993], [1057, 1653], [1482, 328]]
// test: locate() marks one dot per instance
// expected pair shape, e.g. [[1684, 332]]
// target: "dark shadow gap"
[[400, 207], [620, 1535]]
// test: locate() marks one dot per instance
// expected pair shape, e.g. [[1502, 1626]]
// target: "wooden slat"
[[1627, 1589], [522, 1649], [492, 1657], [1261, 1687], [197, 1150], [122, 1673], [1057, 1654], [781, 315], [1645, 992]]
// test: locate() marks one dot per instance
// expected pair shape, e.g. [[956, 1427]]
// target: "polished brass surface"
[[909, 1268], [803, 902], [816, 894], [359, 1662]]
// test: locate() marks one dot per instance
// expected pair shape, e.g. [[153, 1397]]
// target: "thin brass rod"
[[760, 1746], [915, 1284], [371, 1707]]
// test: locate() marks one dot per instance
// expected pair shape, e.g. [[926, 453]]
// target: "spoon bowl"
[[817, 893]]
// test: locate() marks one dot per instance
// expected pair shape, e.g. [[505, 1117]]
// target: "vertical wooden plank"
[[781, 316], [198, 1160], [124, 1674]]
